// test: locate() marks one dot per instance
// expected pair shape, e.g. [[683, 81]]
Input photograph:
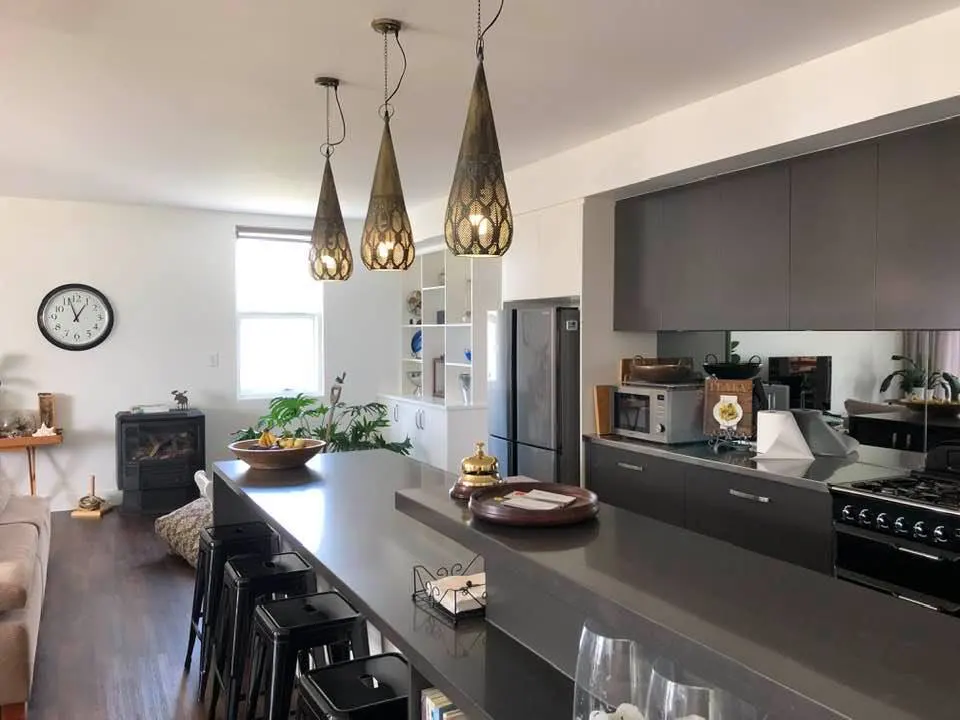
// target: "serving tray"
[[488, 505]]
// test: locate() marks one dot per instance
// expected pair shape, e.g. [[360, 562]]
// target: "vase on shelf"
[[467, 314], [464, 379]]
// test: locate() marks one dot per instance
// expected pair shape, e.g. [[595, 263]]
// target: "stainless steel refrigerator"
[[533, 388]]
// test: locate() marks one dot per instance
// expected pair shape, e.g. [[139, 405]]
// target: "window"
[[279, 315]]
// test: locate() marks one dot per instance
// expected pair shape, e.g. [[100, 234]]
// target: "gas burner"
[[918, 487]]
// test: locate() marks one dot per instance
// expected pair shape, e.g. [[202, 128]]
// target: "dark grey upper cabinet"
[[638, 261], [833, 239], [726, 252], [918, 240]]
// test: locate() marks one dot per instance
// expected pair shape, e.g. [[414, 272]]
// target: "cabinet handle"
[[420, 419], [628, 466], [909, 442], [423, 420], [749, 496], [416, 418], [917, 553], [396, 413], [894, 440]]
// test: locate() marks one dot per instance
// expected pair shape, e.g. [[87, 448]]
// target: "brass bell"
[[476, 472]]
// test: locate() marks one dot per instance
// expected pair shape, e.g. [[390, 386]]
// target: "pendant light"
[[478, 221], [330, 256], [387, 238]]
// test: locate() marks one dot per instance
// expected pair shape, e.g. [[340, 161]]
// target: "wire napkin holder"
[[452, 605]]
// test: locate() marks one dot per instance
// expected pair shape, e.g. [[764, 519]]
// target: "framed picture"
[[438, 371]]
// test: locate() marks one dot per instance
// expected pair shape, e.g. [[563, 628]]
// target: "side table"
[[30, 444]]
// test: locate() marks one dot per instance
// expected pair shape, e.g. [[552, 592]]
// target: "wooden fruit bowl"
[[275, 458]]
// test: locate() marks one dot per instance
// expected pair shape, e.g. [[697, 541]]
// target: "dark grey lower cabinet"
[[643, 484], [766, 516]]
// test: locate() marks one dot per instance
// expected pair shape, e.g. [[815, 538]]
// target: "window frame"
[[271, 235]]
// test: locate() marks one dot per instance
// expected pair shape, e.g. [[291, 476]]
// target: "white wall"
[[860, 359], [169, 274], [600, 347]]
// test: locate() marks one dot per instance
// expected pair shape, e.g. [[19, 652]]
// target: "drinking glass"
[[675, 695], [610, 678]]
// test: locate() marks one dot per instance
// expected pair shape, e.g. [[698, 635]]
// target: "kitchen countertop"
[[798, 644], [338, 512], [867, 463]]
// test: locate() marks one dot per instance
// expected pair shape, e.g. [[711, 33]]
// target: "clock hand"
[[82, 309], [76, 315]]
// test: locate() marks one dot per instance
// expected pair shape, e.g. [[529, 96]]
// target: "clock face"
[[75, 317]]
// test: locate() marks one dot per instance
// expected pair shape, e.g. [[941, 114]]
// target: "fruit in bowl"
[[270, 452]]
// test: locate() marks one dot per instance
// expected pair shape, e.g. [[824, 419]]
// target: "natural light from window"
[[279, 316]]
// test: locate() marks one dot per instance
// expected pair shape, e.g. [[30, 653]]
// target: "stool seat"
[[371, 687], [252, 569], [235, 531], [322, 626]]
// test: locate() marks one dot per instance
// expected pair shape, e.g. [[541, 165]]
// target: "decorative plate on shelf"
[[531, 504], [416, 343]]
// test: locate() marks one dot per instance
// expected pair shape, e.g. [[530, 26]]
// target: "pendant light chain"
[[328, 146], [386, 59], [386, 110], [481, 33]]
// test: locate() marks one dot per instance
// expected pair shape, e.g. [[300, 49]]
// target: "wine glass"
[[609, 678], [675, 695]]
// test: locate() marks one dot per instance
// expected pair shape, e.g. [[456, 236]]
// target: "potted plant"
[[342, 427], [913, 378]]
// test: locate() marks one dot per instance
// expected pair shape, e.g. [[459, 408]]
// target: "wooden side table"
[[30, 444]]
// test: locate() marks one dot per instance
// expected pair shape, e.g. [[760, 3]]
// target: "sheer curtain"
[[936, 350]]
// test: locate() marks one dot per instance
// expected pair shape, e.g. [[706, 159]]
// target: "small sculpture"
[[180, 397]]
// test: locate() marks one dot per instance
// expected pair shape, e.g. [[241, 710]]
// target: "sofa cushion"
[[31, 509], [181, 528], [18, 557]]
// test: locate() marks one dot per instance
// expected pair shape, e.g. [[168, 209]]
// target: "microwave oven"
[[669, 414]]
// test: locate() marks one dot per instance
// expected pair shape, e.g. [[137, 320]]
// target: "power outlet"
[[213, 360]]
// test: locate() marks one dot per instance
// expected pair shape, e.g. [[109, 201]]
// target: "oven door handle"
[[917, 553]]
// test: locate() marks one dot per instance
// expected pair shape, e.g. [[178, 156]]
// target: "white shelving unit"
[[456, 294]]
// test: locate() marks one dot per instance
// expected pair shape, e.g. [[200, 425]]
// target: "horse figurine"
[[180, 397]]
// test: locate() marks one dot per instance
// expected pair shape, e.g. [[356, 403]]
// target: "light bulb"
[[384, 248], [328, 262], [483, 225]]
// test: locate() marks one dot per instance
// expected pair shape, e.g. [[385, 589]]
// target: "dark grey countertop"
[[867, 463], [339, 512], [794, 641]]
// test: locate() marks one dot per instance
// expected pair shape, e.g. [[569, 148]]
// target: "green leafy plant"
[[914, 378], [344, 427]]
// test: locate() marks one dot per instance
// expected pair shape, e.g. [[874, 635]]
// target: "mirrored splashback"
[[894, 389]]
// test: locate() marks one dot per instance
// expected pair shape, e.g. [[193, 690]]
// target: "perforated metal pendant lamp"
[[479, 221], [387, 238], [330, 255]]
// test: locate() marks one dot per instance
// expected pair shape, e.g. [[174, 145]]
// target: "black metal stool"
[[218, 544], [247, 580], [371, 688], [323, 623]]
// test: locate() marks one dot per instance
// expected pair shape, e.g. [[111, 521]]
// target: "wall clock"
[[75, 317]]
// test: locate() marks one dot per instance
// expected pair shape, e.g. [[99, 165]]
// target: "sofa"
[[24, 551]]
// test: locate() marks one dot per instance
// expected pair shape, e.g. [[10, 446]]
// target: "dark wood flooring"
[[114, 627]]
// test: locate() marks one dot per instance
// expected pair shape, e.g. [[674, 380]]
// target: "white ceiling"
[[211, 103]]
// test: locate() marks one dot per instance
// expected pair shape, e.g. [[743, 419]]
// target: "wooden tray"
[[487, 505]]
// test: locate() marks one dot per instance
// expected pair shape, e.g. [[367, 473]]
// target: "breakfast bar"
[[794, 643]]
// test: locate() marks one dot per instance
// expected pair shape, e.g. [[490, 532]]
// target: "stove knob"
[[920, 530], [847, 512], [864, 517], [940, 534], [661, 429], [883, 521], [900, 525]]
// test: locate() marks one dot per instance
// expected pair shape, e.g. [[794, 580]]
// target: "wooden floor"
[[114, 627]]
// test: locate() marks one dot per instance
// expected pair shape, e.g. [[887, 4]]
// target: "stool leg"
[[282, 672], [218, 654], [359, 639], [210, 620], [239, 646], [199, 593], [259, 656]]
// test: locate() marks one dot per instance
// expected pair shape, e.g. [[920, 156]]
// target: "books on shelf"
[[437, 706]]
